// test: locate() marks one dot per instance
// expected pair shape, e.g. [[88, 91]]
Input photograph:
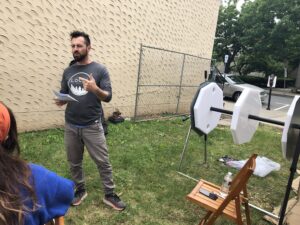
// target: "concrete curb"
[[282, 92]]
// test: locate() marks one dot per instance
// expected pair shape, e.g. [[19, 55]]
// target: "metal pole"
[[187, 176], [270, 93], [285, 76], [290, 181], [270, 82], [167, 50], [138, 81], [252, 117], [181, 75], [264, 211], [184, 147], [205, 148], [266, 120]]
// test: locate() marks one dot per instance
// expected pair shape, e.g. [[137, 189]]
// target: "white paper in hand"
[[64, 97]]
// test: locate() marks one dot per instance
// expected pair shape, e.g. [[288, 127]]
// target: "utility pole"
[[270, 84], [285, 76]]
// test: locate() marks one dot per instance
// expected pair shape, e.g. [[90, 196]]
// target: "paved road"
[[279, 103]]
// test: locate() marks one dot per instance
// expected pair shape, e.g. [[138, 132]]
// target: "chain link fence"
[[167, 81]]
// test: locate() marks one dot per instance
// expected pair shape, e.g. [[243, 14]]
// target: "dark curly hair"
[[76, 34]]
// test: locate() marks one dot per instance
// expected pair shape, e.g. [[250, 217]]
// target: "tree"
[[227, 41], [264, 36], [271, 38]]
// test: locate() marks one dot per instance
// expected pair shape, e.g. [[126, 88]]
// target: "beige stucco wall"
[[35, 47]]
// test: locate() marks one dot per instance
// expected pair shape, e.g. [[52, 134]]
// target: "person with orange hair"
[[29, 193]]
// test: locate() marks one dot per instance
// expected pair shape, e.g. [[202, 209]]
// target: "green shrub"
[[262, 81]]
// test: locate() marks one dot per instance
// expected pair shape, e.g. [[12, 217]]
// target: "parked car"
[[233, 86]]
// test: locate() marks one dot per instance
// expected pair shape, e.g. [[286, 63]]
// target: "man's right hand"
[[59, 102]]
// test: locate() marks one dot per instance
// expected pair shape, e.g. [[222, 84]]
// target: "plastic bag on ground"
[[264, 166]]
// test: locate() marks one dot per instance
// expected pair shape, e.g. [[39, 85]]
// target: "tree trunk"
[[297, 83]]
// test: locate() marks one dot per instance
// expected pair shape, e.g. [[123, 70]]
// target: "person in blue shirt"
[[29, 194]]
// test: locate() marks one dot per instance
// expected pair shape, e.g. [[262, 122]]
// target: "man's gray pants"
[[93, 138]]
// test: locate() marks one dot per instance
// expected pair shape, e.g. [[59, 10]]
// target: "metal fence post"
[[181, 75], [138, 83]]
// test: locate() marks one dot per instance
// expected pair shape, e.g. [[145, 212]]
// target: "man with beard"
[[89, 83]]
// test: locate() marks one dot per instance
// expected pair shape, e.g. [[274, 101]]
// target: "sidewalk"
[[282, 92]]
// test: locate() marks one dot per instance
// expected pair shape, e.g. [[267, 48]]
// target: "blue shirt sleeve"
[[54, 194]]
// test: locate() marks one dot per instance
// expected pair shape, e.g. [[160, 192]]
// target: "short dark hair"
[[76, 33]]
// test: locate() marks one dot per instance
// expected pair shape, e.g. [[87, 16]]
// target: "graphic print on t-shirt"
[[76, 85]]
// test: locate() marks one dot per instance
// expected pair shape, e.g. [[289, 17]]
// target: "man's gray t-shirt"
[[88, 108]]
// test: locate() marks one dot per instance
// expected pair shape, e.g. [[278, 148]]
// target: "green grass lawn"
[[145, 158]]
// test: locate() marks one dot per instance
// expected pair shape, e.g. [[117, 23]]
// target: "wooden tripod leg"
[[239, 220], [246, 205], [202, 222]]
